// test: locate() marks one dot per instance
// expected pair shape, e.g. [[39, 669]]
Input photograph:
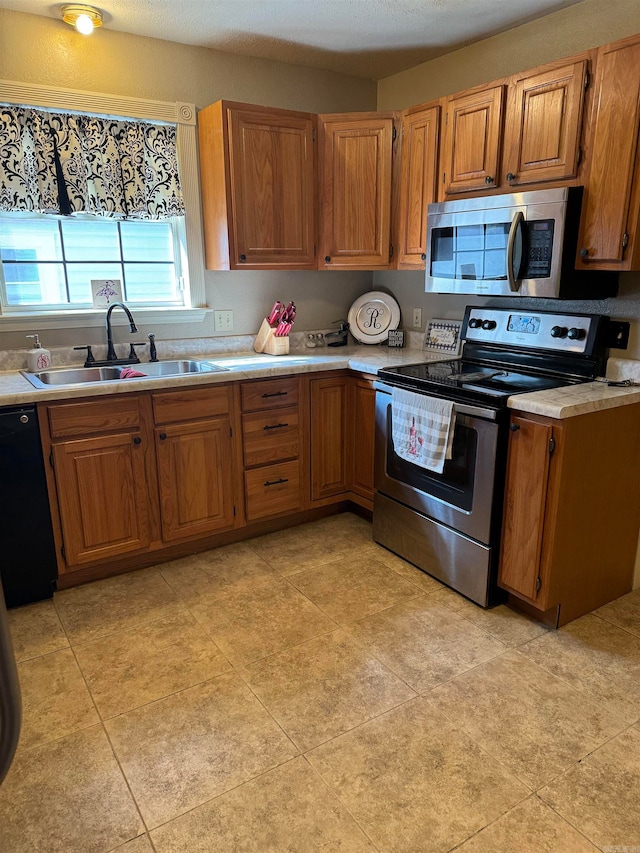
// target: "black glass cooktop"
[[468, 380]]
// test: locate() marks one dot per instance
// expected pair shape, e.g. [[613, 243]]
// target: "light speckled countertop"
[[554, 403]]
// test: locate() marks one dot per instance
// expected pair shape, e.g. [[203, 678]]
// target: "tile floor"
[[309, 691]]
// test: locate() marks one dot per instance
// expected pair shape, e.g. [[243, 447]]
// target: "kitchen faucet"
[[111, 353], [112, 357]]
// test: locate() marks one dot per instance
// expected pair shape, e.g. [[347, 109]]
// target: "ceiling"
[[366, 38]]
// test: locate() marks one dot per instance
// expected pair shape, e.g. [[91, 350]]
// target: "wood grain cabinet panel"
[[362, 438], [257, 168], [101, 488], [418, 184], [524, 509], [329, 437], [544, 122], [610, 213], [473, 134], [272, 490], [270, 436], [355, 177], [269, 394], [195, 478]]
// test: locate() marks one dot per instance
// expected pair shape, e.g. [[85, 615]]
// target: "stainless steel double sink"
[[88, 375]]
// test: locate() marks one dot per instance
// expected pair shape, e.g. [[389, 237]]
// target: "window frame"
[[183, 115]]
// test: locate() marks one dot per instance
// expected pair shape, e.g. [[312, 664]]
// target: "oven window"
[[455, 484], [476, 252]]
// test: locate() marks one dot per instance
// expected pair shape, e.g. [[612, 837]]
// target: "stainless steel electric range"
[[449, 524]]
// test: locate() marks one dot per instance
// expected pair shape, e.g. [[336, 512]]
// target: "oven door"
[[462, 496]]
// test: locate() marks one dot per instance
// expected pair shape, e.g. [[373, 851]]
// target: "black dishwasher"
[[27, 551]]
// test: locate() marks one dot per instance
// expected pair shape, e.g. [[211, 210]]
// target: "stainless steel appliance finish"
[[517, 244], [449, 524]]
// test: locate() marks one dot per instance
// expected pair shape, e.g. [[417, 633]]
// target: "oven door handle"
[[460, 408], [512, 244]]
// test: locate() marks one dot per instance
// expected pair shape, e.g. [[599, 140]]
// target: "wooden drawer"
[[175, 406], [113, 414], [269, 394], [272, 490], [270, 436]]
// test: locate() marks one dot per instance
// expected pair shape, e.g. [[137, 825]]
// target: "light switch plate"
[[223, 321], [417, 318]]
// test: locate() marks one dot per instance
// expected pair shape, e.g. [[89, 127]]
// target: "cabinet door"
[[329, 401], [542, 136], [101, 486], [362, 438], [272, 190], [195, 478], [524, 509], [356, 154], [418, 185], [609, 214], [472, 140]]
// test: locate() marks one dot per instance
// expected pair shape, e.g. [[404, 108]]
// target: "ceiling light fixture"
[[84, 18]]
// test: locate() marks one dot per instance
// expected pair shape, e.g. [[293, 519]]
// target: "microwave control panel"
[[538, 249]]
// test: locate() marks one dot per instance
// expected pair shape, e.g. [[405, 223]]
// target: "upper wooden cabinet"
[[609, 229], [257, 173], [355, 152], [543, 125], [472, 137], [418, 182]]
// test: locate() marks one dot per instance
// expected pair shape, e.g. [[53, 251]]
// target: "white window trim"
[[179, 113]]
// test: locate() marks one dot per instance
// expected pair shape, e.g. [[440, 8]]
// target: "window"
[[49, 262], [46, 262]]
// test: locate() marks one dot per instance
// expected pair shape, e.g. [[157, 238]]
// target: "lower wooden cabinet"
[[104, 507], [272, 447], [329, 409], [572, 504], [195, 478], [146, 472], [362, 438]]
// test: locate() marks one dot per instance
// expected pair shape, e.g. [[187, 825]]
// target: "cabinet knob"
[[137, 440], [243, 257], [162, 436], [327, 259], [514, 427], [511, 176], [584, 253], [489, 180], [423, 257]]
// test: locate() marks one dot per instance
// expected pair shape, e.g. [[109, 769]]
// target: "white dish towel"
[[422, 428]]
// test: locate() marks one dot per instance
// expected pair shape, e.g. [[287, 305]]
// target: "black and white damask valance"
[[66, 163]]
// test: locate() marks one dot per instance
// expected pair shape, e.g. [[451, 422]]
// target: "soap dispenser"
[[38, 358]]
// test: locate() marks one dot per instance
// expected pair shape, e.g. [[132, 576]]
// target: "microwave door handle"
[[516, 224]]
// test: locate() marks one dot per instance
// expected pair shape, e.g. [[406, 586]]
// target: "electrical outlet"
[[223, 321], [417, 318]]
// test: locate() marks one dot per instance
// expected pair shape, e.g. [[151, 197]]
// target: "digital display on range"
[[523, 324]]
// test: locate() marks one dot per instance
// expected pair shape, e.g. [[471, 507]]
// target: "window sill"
[[91, 318]]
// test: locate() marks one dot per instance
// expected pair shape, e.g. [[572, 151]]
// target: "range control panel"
[[530, 329]]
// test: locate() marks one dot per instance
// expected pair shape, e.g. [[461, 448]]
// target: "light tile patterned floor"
[[309, 691]]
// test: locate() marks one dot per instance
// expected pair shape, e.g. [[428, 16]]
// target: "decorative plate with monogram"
[[372, 316]]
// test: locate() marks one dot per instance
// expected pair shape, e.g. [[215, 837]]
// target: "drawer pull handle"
[[137, 440], [276, 394], [276, 482], [162, 436], [275, 426]]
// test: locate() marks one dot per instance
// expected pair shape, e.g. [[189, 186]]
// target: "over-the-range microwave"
[[517, 244]]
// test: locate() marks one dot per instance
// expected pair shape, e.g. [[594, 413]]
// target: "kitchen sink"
[[88, 375]]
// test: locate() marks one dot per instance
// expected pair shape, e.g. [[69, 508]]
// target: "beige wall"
[[43, 50], [576, 28], [580, 27]]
